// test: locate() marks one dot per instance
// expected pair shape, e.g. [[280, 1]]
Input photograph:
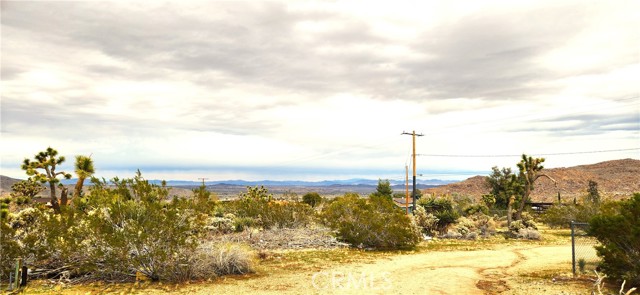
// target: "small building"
[[402, 204]]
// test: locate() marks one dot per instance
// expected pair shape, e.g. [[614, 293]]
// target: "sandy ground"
[[507, 269], [496, 271]]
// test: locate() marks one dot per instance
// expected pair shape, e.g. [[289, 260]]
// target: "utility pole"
[[406, 186], [203, 179], [414, 193]]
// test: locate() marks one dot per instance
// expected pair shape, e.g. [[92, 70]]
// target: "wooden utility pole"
[[406, 186], [203, 179], [414, 193]]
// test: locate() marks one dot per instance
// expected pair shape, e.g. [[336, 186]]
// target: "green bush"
[[619, 234], [259, 205], [374, 222], [242, 223], [312, 199], [442, 209], [560, 216], [112, 233], [476, 209], [143, 234], [8, 243]]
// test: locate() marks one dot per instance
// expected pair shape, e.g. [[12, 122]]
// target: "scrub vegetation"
[[131, 230]]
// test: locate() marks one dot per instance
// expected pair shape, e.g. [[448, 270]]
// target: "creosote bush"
[[118, 229], [374, 222], [312, 199], [618, 231], [259, 205], [443, 209], [560, 216]]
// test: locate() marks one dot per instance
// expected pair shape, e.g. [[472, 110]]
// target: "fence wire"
[[584, 257]]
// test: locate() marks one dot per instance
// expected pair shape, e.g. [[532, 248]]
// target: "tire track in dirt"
[[475, 272], [493, 281]]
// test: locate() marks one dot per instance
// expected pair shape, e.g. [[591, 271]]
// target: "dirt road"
[[450, 272]]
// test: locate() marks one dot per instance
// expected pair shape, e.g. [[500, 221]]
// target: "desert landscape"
[[320, 147]]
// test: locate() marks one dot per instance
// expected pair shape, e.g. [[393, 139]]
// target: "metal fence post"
[[573, 248]]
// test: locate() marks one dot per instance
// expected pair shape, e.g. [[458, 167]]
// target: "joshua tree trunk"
[[509, 205], [54, 200], [63, 196], [525, 198], [78, 189]]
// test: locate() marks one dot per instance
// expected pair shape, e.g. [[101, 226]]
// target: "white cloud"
[[314, 90]]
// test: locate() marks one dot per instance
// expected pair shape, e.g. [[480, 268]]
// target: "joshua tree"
[[26, 188], [529, 172], [84, 169], [47, 161]]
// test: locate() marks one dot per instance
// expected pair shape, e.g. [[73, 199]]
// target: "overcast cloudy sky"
[[318, 90]]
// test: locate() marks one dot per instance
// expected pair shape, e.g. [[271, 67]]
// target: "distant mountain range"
[[356, 184], [616, 179], [348, 182]]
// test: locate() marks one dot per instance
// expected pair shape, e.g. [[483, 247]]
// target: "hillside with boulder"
[[616, 179]]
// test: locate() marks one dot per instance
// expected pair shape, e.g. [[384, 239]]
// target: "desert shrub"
[[204, 200], [516, 225], [442, 209], [211, 260], [214, 259], [427, 222], [489, 200], [465, 226], [523, 229], [470, 228], [451, 234], [374, 222], [528, 234], [143, 234], [283, 214], [619, 234], [472, 235], [486, 225], [242, 223], [49, 240], [528, 221], [560, 216], [220, 225], [8, 242], [475, 209], [460, 203], [312, 199], [259, 205]]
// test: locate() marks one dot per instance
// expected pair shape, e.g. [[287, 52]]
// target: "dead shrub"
[[219, 259]]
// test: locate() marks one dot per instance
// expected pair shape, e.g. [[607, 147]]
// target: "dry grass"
[[219, 259]]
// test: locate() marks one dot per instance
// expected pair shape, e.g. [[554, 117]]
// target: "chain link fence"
[[584, 257]]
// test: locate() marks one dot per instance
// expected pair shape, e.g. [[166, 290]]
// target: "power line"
[[548, 154]]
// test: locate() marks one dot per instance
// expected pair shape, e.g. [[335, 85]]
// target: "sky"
[[301, 90]]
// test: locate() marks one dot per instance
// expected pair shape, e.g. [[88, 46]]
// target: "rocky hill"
[[616, 179], [5, 184]]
